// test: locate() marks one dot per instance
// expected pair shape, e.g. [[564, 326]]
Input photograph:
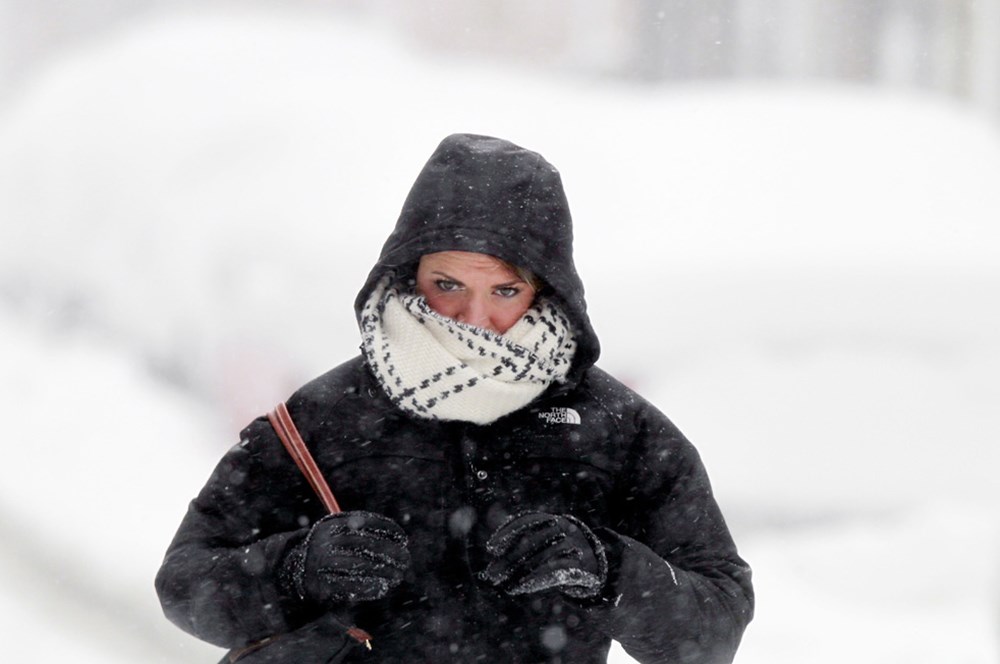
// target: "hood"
[[487, 195]]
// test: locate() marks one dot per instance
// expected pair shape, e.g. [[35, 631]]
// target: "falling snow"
[[816, 267]]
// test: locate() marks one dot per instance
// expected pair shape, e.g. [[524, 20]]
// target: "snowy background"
[[189, 205]]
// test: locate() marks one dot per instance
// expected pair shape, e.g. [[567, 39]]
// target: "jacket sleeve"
[[677, 590], [221, 579]]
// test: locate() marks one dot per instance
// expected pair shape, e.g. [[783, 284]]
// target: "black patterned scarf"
[[437, 368]]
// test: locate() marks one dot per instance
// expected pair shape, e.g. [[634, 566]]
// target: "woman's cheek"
[[442, 305]]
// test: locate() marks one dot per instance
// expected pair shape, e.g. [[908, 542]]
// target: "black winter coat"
[[677, 590]]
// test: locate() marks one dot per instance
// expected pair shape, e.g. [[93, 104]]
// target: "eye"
[[446, 285], [508, 291]]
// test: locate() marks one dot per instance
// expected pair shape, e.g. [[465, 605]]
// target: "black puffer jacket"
[[677, 590]]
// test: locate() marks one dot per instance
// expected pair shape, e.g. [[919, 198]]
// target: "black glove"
[[535, 551], [349, 556]]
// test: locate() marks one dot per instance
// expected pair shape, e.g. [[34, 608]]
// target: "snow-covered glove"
[[349, 556], [535, 551]]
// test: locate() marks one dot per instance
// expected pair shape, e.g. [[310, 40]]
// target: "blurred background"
[[800, 198]]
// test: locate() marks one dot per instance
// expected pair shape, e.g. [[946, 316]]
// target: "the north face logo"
[[560, 416]]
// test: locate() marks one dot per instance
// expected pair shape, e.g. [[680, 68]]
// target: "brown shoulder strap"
[[290, 437], [283, 425]]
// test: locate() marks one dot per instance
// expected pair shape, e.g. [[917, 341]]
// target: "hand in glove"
[[535, 551], [349, 556]]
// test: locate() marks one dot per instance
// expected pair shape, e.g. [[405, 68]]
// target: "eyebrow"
[[505, 284]]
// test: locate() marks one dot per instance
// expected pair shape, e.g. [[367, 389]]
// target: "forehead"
[[463, 261]]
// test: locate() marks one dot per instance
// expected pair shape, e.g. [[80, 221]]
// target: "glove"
[[535, 551], [349, 556]]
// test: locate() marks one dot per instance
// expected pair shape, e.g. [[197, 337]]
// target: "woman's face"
[[476, 289]]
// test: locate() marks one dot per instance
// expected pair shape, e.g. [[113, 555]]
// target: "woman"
[[505, 500]]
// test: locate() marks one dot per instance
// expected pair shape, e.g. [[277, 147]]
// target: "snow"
[[188, 207], [98, 459]]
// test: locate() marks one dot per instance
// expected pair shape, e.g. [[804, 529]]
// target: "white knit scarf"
[[437, 368]]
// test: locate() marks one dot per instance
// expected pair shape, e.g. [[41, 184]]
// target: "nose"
[[476, 312]]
